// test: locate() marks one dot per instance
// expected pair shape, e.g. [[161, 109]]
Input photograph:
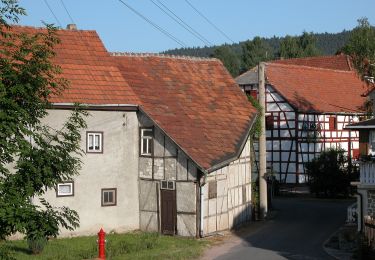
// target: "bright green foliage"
[[297, 47], [329, 174], [33, 157], [361, 46], [230, 60], [254, 52]]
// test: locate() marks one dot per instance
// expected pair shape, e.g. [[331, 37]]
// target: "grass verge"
[[136, 245]]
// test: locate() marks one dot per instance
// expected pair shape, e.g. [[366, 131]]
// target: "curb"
[[336, 253]]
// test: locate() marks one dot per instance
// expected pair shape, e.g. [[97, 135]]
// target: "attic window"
[[332, 123]]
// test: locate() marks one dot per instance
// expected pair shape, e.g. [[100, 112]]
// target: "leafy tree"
[[228, 58], [329, 174], [361, 46], [289, 48], [33, 157], [254, 52], [297, 47]]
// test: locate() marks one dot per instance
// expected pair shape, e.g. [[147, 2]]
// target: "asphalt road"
[[298, 231]]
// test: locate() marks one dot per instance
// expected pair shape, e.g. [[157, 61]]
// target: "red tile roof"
[[317, 89], [196, 102], [94, 78], [337, 62]]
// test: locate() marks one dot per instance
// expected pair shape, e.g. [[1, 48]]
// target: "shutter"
[[332, 123]]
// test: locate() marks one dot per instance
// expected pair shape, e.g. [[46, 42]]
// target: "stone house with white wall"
[[309, 101], [167, 146]]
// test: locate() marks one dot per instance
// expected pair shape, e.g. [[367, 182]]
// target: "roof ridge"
[[160, 55], [309, 67], [45, 28]]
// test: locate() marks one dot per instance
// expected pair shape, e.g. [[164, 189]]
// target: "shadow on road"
[[298, 230]]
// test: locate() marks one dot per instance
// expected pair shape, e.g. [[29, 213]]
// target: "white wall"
[[116, 167]]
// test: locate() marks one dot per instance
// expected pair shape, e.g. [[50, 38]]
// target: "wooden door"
[[168, 212]]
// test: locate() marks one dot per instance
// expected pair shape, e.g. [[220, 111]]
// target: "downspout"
[[202, 182], [359, 210]]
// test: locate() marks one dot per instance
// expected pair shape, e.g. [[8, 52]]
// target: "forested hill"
[[327, 44]]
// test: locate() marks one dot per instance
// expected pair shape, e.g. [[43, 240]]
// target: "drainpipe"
[[201, 183], [359, 210], [201, 211], [263, 201]]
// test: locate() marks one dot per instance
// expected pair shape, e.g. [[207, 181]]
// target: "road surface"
[[298, 231]]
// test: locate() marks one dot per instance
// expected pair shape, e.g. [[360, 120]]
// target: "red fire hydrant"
[[101, 244]]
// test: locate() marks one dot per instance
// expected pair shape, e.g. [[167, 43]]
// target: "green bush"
[[330, 175]]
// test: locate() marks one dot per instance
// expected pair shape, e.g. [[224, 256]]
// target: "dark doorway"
[[168, 212]]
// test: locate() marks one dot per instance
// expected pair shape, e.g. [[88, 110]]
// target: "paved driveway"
[[299, 229]]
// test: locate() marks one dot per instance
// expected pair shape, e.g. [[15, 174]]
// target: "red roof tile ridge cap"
[[160, 55], [308, 67], [310, 58], [45, 28]]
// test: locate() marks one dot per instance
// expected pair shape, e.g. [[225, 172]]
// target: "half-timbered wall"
[[166, 163], [231, 205], [294, 138]]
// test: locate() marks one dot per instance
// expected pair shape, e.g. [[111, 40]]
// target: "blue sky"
[[121, 30]]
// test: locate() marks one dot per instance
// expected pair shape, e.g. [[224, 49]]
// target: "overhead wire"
[[211, 23], [50, 9], [66, 10], [166, 33], [181, 22]]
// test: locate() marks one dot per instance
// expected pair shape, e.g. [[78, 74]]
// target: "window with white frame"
[[65, 189], [146, 141], [109, 197], [94, 142]]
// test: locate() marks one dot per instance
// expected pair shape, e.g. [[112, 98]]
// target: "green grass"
[[135, 245]]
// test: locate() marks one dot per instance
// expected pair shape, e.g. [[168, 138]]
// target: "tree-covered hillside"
[[327, 43]]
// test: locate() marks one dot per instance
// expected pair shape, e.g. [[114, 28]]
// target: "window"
[[167, 185], [332, 123], [94, 142], [109, 197], [212, 190], [146, 141], [269, 122], [65, 189]]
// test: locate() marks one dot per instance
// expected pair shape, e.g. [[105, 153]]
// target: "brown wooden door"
[[168, 212]]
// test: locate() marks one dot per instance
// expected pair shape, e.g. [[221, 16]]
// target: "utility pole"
[[262, 144]]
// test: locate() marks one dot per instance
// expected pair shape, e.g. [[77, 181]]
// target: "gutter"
[[118, 107]]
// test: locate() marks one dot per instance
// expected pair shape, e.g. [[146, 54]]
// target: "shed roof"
[[367, 124], [195, 101]]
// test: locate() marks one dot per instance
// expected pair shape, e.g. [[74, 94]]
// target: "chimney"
[[71, 26]]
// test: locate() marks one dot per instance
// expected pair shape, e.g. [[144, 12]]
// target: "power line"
[[183, 24], [66, 10], [213, 25], [49, 7], [181, 43]]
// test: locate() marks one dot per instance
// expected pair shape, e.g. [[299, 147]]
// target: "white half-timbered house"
[[308, 103]]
